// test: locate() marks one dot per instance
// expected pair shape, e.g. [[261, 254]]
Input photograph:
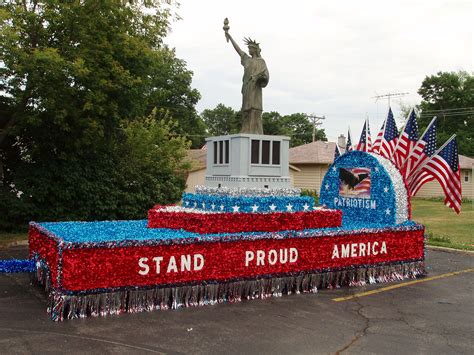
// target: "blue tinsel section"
[[129, 231], [17, 265], [245, 203]]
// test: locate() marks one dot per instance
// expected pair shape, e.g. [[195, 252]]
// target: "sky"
[[326, 58]]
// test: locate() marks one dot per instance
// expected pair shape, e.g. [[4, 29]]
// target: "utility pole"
[[315, 120], [389, 95]]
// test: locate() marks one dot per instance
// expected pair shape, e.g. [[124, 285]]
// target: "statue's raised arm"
[[229, 38], [255, 78]]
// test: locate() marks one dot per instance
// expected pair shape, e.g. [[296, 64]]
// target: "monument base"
[[248, 161]]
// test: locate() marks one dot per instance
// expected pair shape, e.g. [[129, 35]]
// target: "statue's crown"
[[251, 43]]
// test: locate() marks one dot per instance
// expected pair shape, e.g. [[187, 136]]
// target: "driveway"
[[434, 316]]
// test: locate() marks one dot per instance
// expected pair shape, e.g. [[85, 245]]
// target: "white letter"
[[335, 252], [198, 266], [283, 260], [272, 257], [249, 256], [260, 257], [353, 250], [375, 252], [384, 248], [142, 263], [345, 250], [373, 204], [336, 200], [157, 260], [368, 248], [361, 249], [186, 262], [172, 265], [293, 255]]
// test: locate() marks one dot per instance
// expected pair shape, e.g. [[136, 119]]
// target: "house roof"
[[466, 162], [197, 158], [323, 153], [313, 153]]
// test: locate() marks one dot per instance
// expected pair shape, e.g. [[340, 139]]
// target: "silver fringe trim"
[[63, 306]]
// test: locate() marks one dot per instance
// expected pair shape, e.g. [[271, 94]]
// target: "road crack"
[[360, 333]]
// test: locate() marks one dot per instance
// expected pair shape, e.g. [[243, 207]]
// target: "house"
[[309, 163]]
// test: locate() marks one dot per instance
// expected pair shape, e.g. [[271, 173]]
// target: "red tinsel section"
[[208, 223], [47, 249], [137, 266]]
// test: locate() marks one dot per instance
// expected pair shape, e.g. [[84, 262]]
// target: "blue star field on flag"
[[349, 141], [390, 136]]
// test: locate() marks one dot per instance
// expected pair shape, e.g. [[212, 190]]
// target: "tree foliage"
[[295, 125], [450, 97], [74, 77], [223, 120]]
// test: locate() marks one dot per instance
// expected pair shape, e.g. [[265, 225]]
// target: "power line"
[[451, 109]]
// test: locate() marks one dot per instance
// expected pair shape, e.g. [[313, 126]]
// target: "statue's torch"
[[226, 28]]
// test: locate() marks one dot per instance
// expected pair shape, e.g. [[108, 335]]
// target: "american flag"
[[365, 141], [378, 140], [444, 167], [362, 188], [390, 136], [406, 141], [349, 141], [421, 178], [337, 152], [421, 152]]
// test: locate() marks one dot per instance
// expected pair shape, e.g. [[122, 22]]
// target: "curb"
[[14, 244], [450, 250]]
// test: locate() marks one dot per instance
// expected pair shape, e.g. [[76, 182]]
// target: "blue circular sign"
[[368, 189]]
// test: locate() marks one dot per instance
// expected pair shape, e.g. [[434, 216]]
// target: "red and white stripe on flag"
[[387, 147], [449, 180], [416, 159], [422, 178], [405, 145]]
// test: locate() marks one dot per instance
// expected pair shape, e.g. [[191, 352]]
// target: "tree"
[[450, 97], [74, 76], [221, 120], [295, 125]]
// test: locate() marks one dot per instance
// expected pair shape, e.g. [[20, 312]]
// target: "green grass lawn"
[[443, 226], [7, 239]]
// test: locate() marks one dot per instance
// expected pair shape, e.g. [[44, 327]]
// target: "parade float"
[[247, 233]]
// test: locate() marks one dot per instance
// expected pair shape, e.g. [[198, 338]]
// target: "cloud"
[[329, 58]]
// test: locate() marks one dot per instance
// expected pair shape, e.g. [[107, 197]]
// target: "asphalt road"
[[432, 317]]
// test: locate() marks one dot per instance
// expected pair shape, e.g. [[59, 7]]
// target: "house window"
[[221, 152], [215, 152], [226, 160], [466, 176], [265, 152], [255, 158], [276, 153]]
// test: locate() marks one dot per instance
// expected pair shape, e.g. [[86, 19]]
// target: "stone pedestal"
[[248, 161]]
